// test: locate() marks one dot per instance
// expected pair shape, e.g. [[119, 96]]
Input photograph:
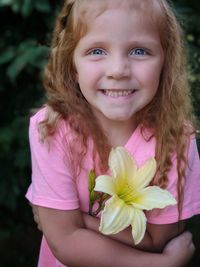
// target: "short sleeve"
[[191, 201], [53, 184]]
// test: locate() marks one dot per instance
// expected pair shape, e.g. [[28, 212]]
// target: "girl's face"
[[118, 63]]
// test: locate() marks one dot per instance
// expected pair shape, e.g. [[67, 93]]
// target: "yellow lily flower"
[[130, 193]]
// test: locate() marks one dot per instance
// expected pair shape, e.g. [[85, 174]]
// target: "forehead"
[[85, 11]]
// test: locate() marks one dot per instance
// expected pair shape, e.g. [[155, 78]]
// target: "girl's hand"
[[179, 250]]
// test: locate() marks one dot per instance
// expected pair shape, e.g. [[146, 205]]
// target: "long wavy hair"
[[168, 116]]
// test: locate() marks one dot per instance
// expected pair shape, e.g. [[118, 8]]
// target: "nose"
[[118, 67]]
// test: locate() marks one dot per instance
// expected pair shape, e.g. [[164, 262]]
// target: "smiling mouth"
[[117, 92]]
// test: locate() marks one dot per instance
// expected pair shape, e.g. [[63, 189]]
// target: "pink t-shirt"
[[54, 186]]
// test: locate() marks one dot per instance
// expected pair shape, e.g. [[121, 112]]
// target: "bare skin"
[[155, 239], [68, 227]]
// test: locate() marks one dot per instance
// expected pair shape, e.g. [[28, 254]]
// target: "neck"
[[118, 132]]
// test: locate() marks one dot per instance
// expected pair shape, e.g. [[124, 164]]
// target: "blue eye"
[[139, 52], [97, 51]]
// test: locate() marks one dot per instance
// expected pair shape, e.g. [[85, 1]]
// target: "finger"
[[186, 237]]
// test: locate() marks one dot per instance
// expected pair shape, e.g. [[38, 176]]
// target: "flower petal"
[[145, 174], [138, 226], [153, 197], [122, 164], [104, 183], [116, 216]]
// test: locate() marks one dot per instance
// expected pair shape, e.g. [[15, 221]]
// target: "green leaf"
[[16, 6], [43, 6], [27, 8], [91, 180], [5, 2], [39, 56], [7, 55], [17, 65], [28, 53]]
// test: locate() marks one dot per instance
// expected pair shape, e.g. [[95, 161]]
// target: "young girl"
[[115, 77]]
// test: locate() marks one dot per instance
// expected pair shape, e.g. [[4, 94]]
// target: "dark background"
[[25, 32]]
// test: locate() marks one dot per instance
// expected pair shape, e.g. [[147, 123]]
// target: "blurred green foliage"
[[26, 27]]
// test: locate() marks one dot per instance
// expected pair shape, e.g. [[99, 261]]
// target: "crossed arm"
[[155, 239], [90, 248]]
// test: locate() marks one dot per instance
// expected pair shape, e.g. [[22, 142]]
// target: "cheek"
[[89, 73], [151, 76]]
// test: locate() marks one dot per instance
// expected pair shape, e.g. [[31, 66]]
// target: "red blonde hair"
[[168, 116]]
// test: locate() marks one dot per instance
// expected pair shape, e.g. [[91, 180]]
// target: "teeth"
[[117, 93]]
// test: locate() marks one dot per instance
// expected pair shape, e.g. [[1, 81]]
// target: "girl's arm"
[[74, 245], [155, 239]]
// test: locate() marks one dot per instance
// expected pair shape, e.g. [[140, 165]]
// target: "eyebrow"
[[146, 43], [133, 43]]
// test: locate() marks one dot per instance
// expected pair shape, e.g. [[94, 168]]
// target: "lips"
[[117, 92]]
